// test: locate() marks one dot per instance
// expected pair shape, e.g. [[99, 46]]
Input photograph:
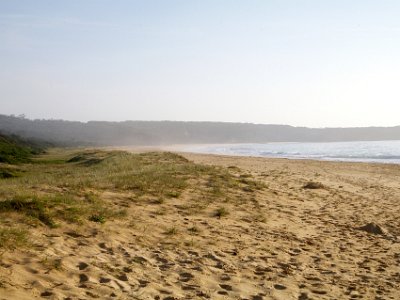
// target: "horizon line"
[[24, 117]]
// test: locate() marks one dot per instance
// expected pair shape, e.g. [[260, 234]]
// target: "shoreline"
[[179, 150], [305, 159], [370, 152], [258, 164]]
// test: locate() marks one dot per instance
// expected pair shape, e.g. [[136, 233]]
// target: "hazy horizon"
[[300, 63], [50, 118], [23, 116]]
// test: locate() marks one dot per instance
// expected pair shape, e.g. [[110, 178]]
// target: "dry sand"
[[283, 242]]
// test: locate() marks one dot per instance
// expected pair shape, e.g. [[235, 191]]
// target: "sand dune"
[[281, 242]]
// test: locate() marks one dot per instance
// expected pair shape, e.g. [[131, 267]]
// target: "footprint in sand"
[[260, 271], [104, 280], [46, 294], [303, 296], [83, 278], [143, 283], [31, 270], [123, 277], [92, 295], [185, 277], [106, 249], [279, 287], [225, 277], [226, 287], [223, 293], [190, 287], [319, 292], [127, 269], [82, 266]]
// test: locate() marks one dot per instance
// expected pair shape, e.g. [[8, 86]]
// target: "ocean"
[[365, 151]]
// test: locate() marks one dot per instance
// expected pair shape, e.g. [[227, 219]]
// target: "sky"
[[314, 63]]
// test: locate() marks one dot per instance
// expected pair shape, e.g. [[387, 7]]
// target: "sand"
[[282, 242]]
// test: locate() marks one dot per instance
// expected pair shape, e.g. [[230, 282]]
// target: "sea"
[[364, 151]]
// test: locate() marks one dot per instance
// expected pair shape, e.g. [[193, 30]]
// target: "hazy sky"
[[302, 62]]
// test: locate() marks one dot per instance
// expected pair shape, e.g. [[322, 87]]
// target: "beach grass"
[[67, 187]]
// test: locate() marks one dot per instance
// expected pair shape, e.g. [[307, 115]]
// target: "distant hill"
[[98, 133]]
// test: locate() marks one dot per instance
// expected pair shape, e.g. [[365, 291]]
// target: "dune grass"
[[12, 238], [221, 212], [66, 186]]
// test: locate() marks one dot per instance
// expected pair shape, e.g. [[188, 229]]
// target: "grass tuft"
[[171, 231], [31, 207], [313, 185], [8, 173], [52, 263], [194, 229], [97, 218], [221, 212], [88, 158], [13, 238]]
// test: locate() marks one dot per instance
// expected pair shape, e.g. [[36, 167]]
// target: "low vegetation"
[[14, 150], [221, 212], [171, 231], [312, 185], [6, 172], [12, 238], [64, 187]]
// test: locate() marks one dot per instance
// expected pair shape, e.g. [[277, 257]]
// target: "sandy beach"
[[199, 150], [300, 236]]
